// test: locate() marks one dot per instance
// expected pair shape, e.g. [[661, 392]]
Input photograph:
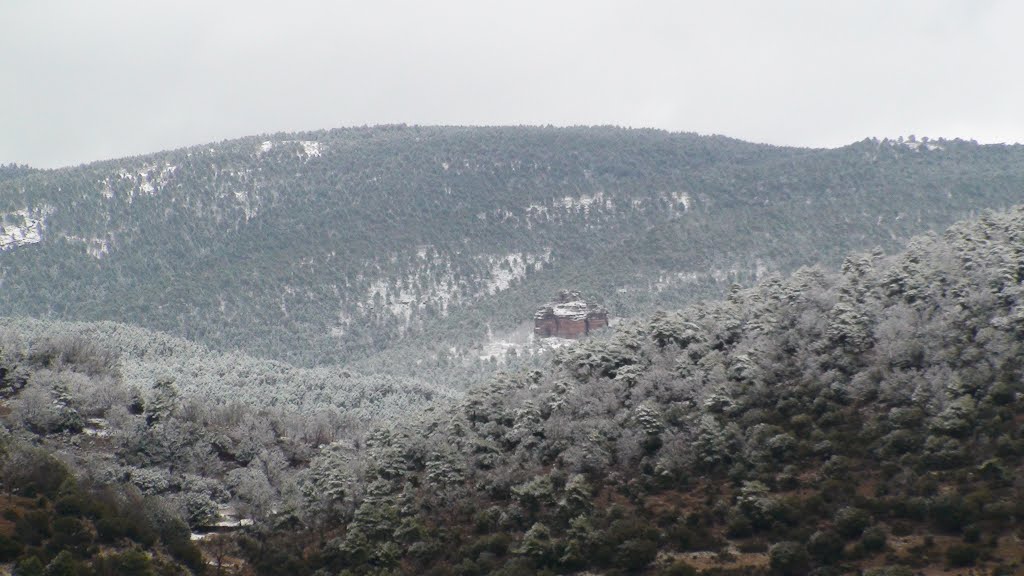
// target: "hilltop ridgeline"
[[329, 246]]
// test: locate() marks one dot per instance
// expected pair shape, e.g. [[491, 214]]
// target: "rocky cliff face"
[[22, 227], [569, 316]]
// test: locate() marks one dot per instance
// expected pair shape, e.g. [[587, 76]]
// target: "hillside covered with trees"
[[119, 445], [825, 422], [326, 247]]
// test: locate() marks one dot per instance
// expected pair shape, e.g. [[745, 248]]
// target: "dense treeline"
[[118, 442], [819, 424], [139, 358], [329, 246], [11, 171]]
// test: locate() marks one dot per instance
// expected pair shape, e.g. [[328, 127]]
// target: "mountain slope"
[[328, 246], [827, 422]]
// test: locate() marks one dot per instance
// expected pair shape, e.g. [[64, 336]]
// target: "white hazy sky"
[[83, 81]]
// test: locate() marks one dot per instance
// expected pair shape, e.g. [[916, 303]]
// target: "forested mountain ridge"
[[326, 246], [827, 423]]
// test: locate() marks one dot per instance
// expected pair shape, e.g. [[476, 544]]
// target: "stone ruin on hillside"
[[569, 316]]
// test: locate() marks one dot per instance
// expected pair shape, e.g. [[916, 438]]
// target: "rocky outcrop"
[[569, 316], [22, 227]]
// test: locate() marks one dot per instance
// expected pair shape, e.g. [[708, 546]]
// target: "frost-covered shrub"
[[537, 544], [957, 419], [850, 522], [150, 480], [332, 475], [756, 504], [788, 558], [899, 442], [198, 508], [534, 493], [874, 539], [633, 555], [36, 411], [781, 446], [201, 484], [825, 546], [716, 444], [577, 497], [941, 452]]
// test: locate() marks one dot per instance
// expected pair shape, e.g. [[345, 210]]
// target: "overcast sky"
[[84, 81]]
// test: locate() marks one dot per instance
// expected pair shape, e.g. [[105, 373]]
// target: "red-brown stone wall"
[[568, 328]]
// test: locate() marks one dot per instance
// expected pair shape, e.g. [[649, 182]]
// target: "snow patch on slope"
[[914, 144], [681, 198], [434, 285], [395, 299], [504, 270], [148, 181], [310, 148], [570, 205], [22, 227], [583, 202], [95, 247], [249, 203]]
